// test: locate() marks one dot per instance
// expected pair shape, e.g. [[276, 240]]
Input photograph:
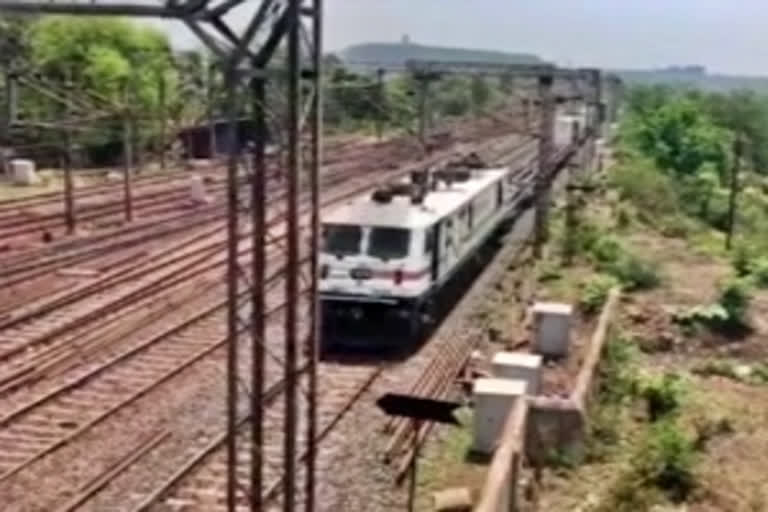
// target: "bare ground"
[[730, 471]]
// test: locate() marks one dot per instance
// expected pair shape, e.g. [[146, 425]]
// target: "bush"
[[611, 257], [759, 271], [741, 261], [634, 273], [548, 271], [651, 191], [716, 368], [662, 395], [729, 312], [595, 292], [707, 429], [674, 226], [735, 296], [606, 250], [623, 217], [618, 378], [666, 461], [585, 236], [603, 432]]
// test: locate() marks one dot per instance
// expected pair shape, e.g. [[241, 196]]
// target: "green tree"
[[646, 99], [744, 112], [113, 61], [679, 137], [351, 97], [103, 55], [481, 93], [452, 97]]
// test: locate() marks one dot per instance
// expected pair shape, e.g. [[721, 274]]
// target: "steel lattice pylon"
[[245, 58]]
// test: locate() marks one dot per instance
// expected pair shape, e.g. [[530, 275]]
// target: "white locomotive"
[[385, 256]]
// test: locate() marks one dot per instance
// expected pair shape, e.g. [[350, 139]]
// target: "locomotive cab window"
[[389, 243], [341, 239], [429, 240]]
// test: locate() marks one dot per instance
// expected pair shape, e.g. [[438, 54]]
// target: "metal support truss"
[[244, 59]]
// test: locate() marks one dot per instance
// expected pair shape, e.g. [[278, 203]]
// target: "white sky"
[[725, 36]]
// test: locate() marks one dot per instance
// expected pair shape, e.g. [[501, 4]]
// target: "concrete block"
[[494, 399], [452, 500], [197, 189], [552, 328], [23, 172], [521, 366]]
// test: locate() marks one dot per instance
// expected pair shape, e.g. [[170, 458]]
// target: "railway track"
[[67, 318], [100, 206], [113, 248], [201, 482], [130, 370]]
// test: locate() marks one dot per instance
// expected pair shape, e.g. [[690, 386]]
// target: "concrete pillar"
[[494, 399], [552, 326], [519, 366]]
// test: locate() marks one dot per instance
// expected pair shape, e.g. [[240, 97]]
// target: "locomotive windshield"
[[342, 240], [389, 243]]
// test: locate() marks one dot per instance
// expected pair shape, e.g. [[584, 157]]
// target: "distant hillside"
[[397, 53], [693, 76]]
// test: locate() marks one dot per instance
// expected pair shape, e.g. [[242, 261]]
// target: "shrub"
[[735, 296], [585, 236], [674, 226], [707, 429], [666, 461], [561, 459], [650, 190], [607, 250], [662, 466], [729, 312], [548, 271], [618, 378], [662, 395], [716, 368], [611, 257], [760, 373], [623, 217], [595, 292], [603, 432], [741, 261], [634, 273], [759, 271]]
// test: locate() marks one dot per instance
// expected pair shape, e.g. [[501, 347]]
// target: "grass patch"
[[595, 291], [663, 395], [728, 315], [756, 373], [660, 469], [448, 462]]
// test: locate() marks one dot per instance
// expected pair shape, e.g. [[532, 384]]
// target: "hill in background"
[[695, 77], [397, 53]]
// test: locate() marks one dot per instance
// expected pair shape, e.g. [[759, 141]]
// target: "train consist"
[[386, 257]]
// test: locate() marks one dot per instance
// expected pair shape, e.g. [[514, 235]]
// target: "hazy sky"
[[726, 36]]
